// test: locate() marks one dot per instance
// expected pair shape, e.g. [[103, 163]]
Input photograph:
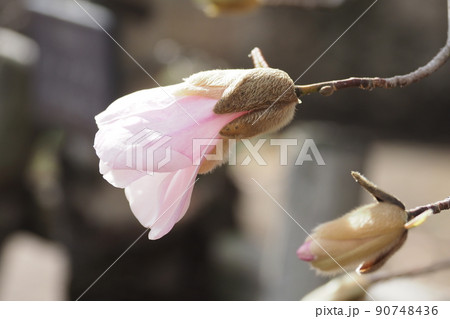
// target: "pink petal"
[[159, 201], [145, 145], [304, 252], [119, 177], [134, 104], [152, 121]]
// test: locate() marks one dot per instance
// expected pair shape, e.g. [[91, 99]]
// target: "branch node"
[[326, 90], [329, 87]]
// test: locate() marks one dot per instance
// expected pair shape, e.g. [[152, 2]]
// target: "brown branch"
[[329, 87], [418, 215], [435, 208]]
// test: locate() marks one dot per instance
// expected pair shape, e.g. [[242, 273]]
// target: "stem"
[[365, 83], [435, 208]]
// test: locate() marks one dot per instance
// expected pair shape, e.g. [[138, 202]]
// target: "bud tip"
[[304, 252]]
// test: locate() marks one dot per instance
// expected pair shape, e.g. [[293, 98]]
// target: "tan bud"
[[213, 8], [266, 94], [364, 237], [265, 97], [358, 238]]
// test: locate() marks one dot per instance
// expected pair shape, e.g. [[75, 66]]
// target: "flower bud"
[[266, 95], [146, 140], [366, 236], [213, 8]]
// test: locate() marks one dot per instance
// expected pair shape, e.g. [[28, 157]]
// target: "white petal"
[[159, 201]]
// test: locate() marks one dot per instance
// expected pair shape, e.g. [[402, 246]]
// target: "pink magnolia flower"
[[147, 140]]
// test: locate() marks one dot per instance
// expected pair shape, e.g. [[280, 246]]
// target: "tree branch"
[[435, 208], [366, 83], [418, 215]]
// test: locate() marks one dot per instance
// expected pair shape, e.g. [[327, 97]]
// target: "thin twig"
[[366, 83], [435, 208]]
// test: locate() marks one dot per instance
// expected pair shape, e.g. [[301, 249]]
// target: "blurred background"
[[62, 225]]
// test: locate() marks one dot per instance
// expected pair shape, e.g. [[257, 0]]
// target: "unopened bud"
[[266, 95], [365, 237], [213, 8]]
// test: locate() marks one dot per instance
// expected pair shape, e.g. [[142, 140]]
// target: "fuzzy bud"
[[213, 8], [366, 236]]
